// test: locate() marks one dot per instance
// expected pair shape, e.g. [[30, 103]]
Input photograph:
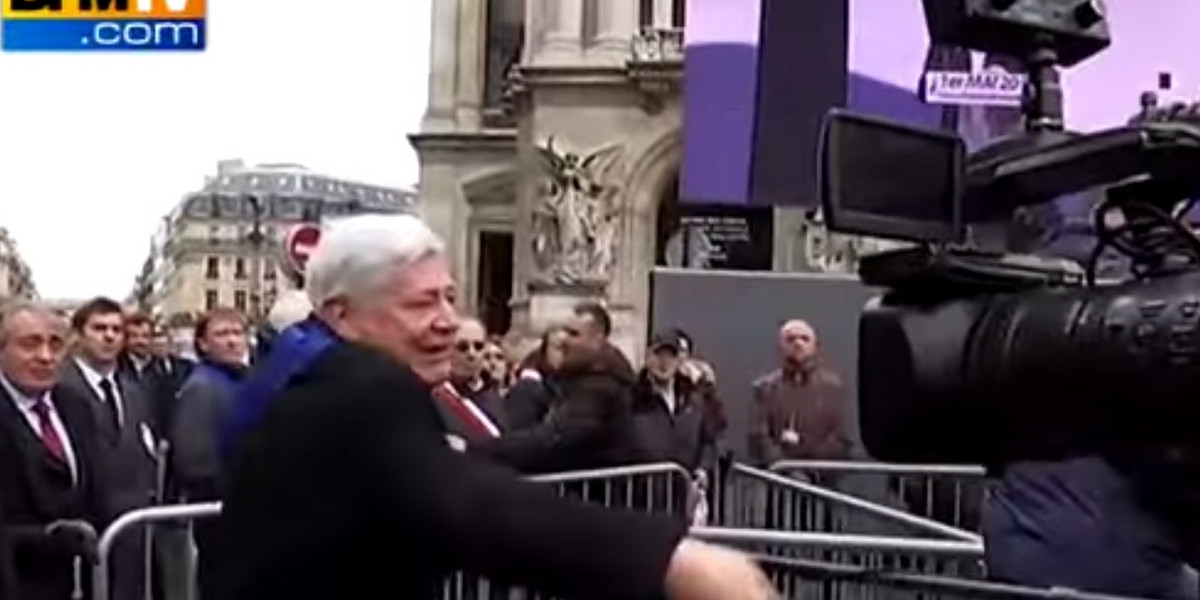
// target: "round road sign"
[[301, 241]]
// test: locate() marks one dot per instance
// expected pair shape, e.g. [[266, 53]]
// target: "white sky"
[[96, 148]]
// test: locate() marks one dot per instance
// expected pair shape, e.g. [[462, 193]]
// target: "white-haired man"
[[341, 483]]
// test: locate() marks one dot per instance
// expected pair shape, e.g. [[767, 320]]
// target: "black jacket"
[[347, 487], [529, 401], [38, 491], [591, 426], [686, 436]]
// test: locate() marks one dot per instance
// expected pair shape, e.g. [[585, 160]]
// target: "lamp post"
[[257, 239]]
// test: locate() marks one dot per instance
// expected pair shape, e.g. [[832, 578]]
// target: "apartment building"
[[16, 280], [222, 244]]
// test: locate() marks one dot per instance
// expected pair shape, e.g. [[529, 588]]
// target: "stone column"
[[472, 36], [443, 67], [442, 206], [618, 22], [564, 31]]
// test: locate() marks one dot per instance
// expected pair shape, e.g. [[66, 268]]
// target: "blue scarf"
[[292, 353]]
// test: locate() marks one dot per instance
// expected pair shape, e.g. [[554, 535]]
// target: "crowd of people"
[[365, 421], [103, 416]]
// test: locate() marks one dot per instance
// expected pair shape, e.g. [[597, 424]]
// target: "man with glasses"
[[470, 405]]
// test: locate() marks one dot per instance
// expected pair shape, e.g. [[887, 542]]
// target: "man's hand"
[[700, 571]]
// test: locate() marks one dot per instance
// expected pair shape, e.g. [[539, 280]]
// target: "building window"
[[239, 268], [269, 272], [239, 300], [646, 13], [505, 38], [649, 16], [212, 268], [211, 299]]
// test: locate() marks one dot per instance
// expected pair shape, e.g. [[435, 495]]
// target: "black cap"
[[668, 340]]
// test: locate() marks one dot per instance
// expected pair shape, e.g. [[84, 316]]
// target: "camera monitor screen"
[[887, 179]]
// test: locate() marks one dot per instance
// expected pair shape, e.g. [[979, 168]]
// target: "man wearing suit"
[[47, 468], [147, 359], [340, 482], [471, 406], [121, 413], [160, 374]]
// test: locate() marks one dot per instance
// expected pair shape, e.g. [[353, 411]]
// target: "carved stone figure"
[[577, 214]]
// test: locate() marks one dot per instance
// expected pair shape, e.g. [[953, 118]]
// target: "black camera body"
[[973, 354]]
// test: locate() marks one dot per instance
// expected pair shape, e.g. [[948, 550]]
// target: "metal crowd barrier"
[[83, 538], [664, 488], [130, 521], [816, 524], [659, 487], [814, 540], [951, 494]]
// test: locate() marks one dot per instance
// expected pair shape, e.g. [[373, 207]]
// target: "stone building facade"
[[16, 279], [551, 143], [222, 244]]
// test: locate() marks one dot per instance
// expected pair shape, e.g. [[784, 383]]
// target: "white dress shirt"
[[25, 404], [667, 394], [94, 377]]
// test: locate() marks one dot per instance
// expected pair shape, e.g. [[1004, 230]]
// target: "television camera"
[[975, 353]]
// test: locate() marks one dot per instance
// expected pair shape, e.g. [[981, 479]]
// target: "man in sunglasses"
[[470, 404]]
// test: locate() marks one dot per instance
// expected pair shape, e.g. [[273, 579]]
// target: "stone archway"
[[654, 169]]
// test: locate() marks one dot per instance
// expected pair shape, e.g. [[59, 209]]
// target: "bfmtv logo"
[[107, 25], [173, 6]]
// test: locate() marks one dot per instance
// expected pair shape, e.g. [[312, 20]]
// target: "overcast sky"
[[95, 149]]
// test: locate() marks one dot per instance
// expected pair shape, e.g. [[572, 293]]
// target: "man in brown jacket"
[[798, 409]]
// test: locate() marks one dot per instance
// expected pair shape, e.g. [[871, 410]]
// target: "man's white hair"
[[290, 308], [355, 254]]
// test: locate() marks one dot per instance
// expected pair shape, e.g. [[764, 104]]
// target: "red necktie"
[[50, 438], [446, 394]]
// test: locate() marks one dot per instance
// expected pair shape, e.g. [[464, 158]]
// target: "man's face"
[[556, 346], [583, 335], [797, 342], [225, 341], [469, 343], [160, 344], [137, 339], [663, 363], [412, 318], [495, 361], [102, 337], [32, 348]]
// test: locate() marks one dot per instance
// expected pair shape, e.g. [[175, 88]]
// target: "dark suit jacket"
[[348, 489], [8, 572], [39, 491], [160, 380], [127, 466]]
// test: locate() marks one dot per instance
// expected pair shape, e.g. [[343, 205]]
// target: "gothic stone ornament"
[[576, 214]]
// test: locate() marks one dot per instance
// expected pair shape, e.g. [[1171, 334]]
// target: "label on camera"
[[991, 87]]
